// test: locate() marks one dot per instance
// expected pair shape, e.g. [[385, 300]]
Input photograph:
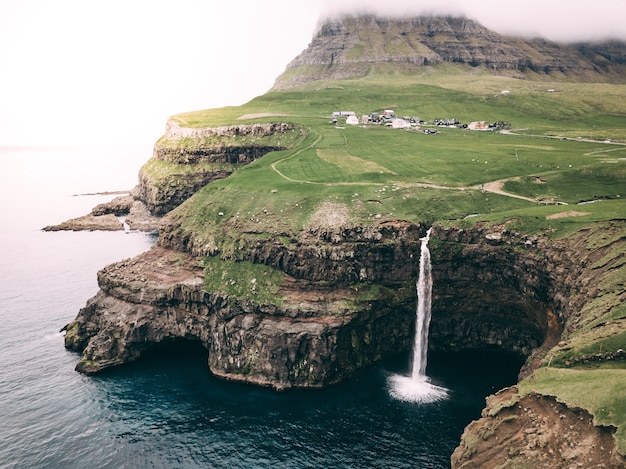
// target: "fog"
[[559, 20], [73, 71]]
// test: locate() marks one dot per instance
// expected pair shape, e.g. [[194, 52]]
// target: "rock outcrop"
[[89, 222], [121, 213], [535, 431], [186, 159], [316, 336]]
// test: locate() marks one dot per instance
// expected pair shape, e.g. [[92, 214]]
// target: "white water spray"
[[417, 387]]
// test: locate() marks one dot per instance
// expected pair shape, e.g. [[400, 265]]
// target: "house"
[[478, 125], [446, 122], [388, 115], [374, 117], [400, 124], [338, 114], [352, 120]]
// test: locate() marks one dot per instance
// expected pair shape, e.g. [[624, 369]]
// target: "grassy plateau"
[[560, 150]]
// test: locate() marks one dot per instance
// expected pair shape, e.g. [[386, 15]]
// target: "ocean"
[[166, 410]]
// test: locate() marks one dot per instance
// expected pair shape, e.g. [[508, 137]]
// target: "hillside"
[[355, 46], [292, 250]]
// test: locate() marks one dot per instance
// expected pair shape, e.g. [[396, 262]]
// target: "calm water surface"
[[167, 410]]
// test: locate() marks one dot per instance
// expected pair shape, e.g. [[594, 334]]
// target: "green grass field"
[[379, 170]]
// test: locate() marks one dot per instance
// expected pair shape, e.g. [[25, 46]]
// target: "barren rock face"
[[535, 431], [321, 328]]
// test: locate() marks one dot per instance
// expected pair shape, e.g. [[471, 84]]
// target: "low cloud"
[[397, 8], [558, 20]]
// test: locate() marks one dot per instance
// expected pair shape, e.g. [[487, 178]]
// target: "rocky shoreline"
[[120, 214]]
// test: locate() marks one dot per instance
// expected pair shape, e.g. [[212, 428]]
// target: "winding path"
[[494, 187]]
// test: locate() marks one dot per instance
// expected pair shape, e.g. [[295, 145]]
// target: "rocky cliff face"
[[352, 46], [316, 336], [186, 159], [348, 299], [536, 431], [493, 289]]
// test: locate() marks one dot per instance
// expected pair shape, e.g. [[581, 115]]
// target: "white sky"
[[79, 71]]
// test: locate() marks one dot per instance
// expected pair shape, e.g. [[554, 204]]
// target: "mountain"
[[355, 46]]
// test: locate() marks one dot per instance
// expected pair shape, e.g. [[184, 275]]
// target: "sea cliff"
[[494, 288], [299, 269]]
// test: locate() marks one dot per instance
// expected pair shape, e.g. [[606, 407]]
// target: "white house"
[[352, 120], [478, 125], [400, 124]]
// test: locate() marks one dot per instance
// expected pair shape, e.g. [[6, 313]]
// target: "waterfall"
[[417, 386], [422, 323]]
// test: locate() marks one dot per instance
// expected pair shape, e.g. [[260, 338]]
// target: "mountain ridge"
[[355, 46]]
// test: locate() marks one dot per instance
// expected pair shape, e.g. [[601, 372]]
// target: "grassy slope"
[[600, 390], [378, 171]]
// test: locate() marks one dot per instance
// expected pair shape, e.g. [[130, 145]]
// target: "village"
[[388, 118]]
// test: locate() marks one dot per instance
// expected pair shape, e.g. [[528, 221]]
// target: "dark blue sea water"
[[167, 411]]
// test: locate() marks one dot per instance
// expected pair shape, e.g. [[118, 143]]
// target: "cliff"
[[183, 161], [493, 288], [186, 159], [314, 333], [355, 46], [299, 268]]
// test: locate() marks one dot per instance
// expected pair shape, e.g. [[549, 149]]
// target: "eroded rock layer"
[[535, 431], [348, 298], [493, 289], [186, 159], [315, 337], [353, 46]]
